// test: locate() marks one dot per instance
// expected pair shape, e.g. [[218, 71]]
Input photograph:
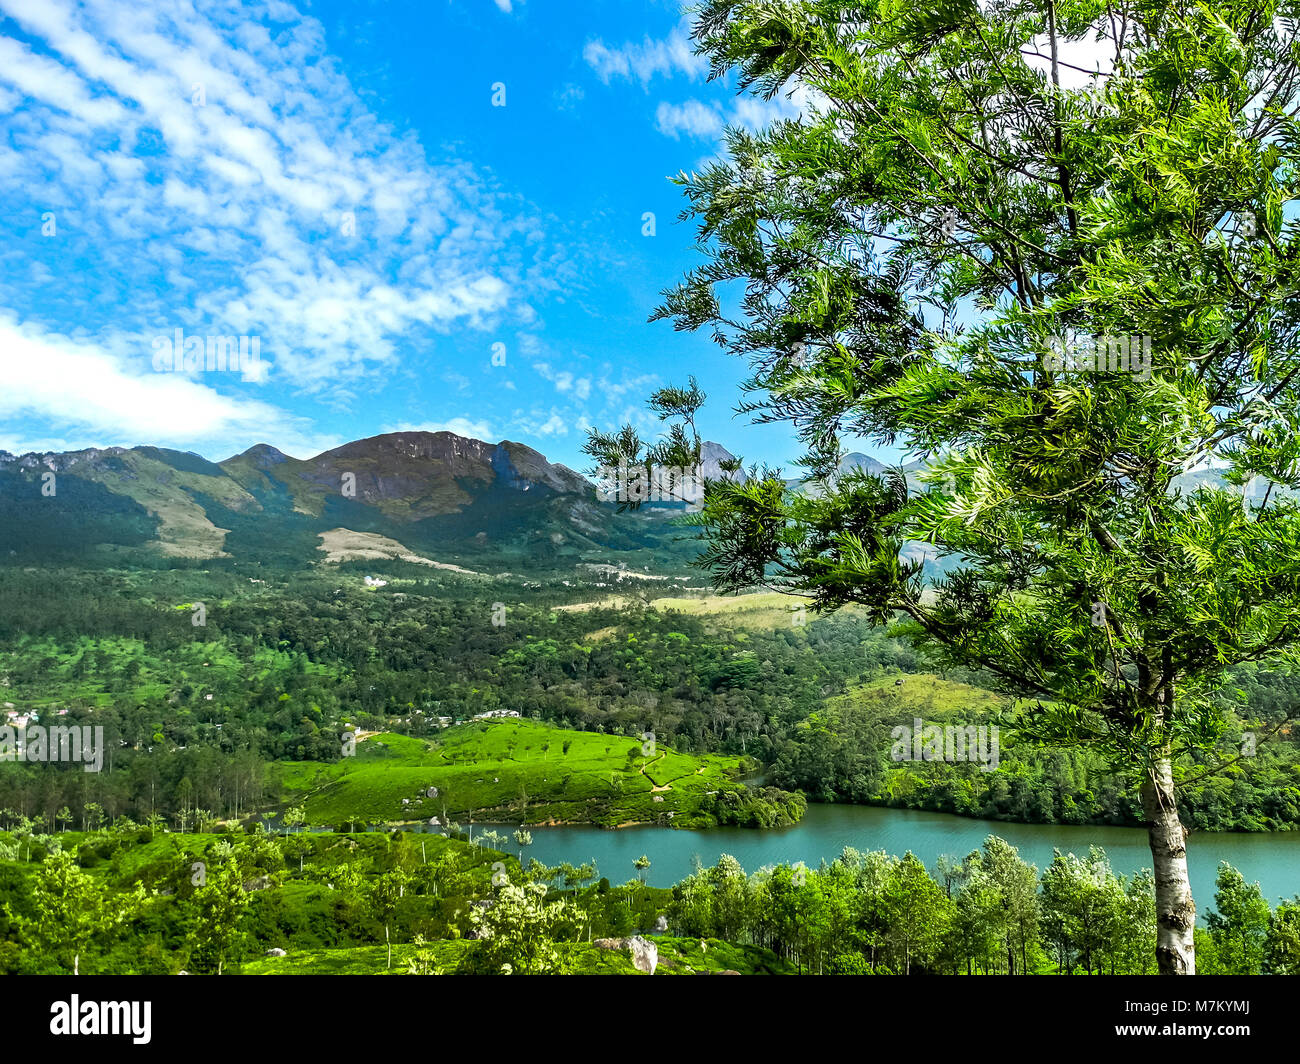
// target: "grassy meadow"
[[509, 771]]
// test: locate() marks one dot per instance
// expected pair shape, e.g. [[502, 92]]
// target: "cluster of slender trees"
[[987, 913]]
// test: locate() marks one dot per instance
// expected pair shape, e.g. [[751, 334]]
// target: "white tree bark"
[[1175, 909]]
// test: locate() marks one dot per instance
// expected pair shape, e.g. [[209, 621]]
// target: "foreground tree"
[[72, 909], [978, 202], [520, 932]]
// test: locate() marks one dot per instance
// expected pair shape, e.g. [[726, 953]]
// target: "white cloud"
[[694, 118], [564, 381], [638, 385], [542, 423], [555, 425], [642, 62], [99, 398], [461, 426]]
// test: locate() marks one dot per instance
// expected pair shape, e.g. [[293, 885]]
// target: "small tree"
[[523, 838], [71, 909], [424, 961], [1238, 923], [385, 896], [218, 906], [1282, 945]]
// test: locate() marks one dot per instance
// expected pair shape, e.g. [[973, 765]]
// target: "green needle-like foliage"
[[973, 195]]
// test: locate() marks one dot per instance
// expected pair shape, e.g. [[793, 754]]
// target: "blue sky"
[[333, 180]]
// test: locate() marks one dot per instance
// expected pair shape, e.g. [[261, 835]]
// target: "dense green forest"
[[130, 899], [211, 716]]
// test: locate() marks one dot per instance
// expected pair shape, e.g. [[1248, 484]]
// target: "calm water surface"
[[1271, 860]]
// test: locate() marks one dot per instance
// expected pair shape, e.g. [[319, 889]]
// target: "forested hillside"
[[213, 716]]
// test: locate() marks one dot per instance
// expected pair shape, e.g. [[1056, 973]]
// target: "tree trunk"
[[1175, 909]]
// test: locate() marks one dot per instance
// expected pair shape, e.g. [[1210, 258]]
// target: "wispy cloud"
[[564, 380], [694, 118], [543, 423], [642, 62], [569, 96], [226, 178]]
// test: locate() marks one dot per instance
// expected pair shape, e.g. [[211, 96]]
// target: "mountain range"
[[436, 498], [433, 499]]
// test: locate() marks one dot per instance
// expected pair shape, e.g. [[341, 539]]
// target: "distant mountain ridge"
[[411, 475], [436, 494], [430, 498], [854, 461]]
